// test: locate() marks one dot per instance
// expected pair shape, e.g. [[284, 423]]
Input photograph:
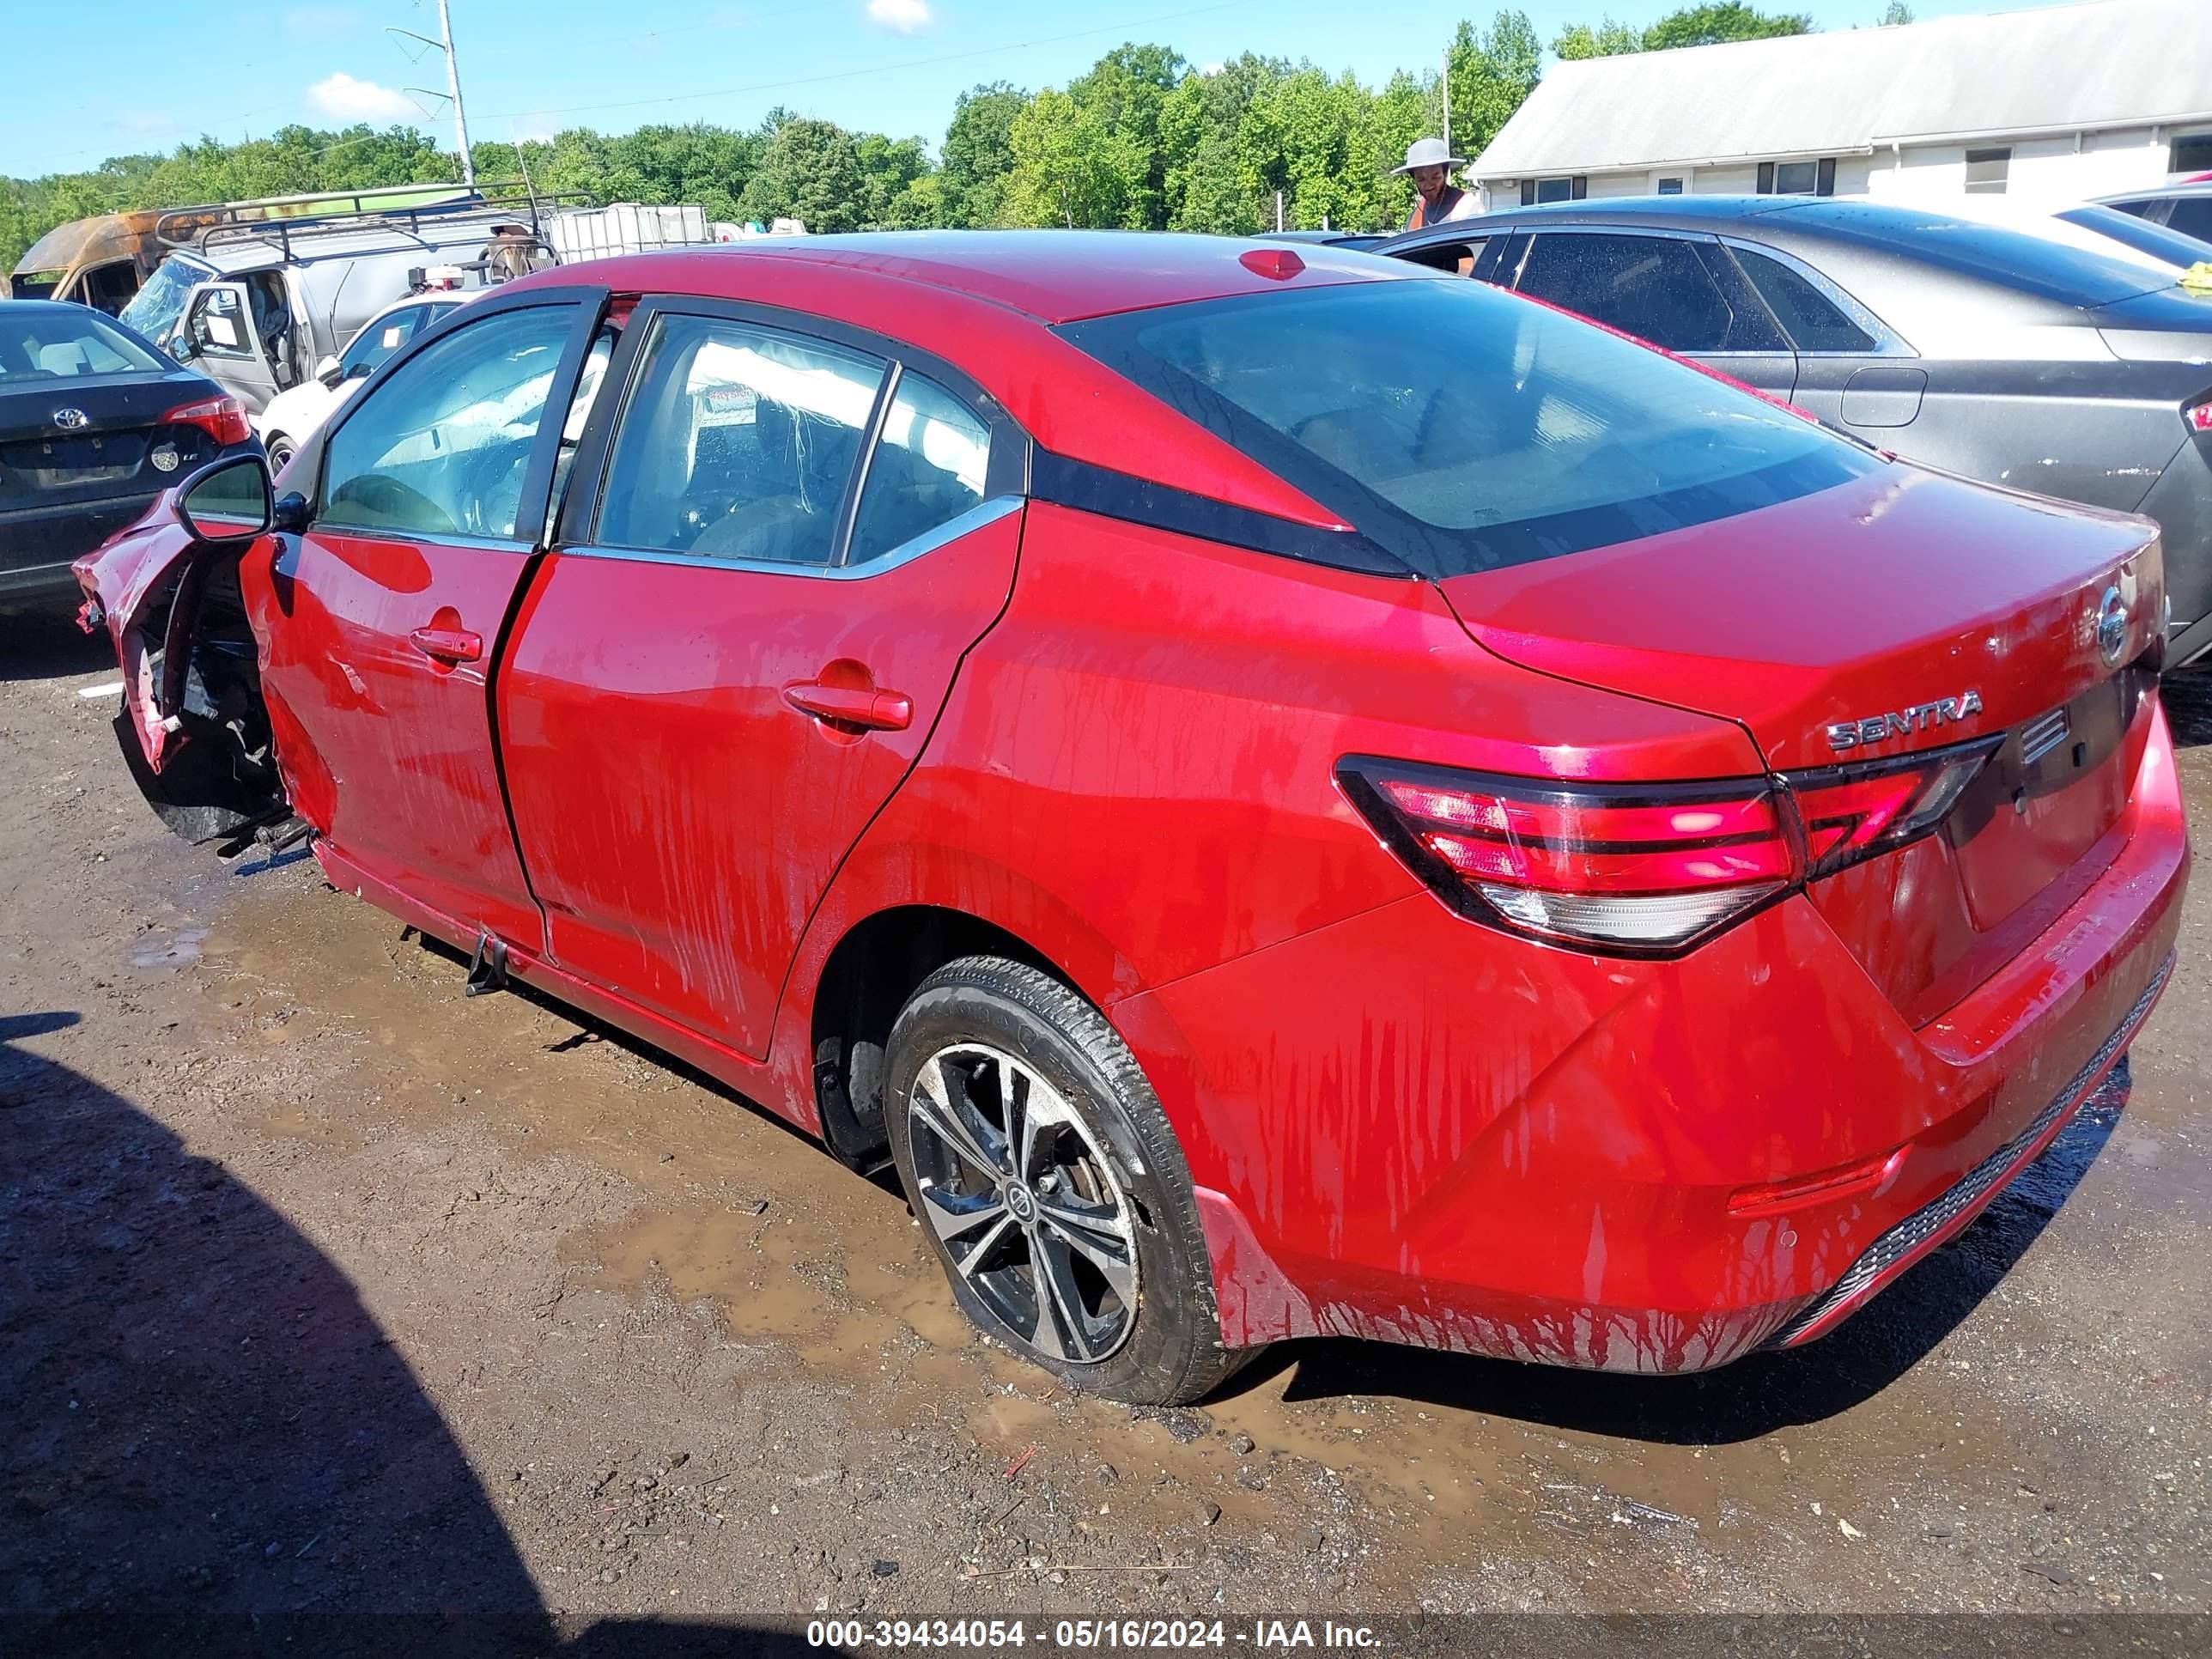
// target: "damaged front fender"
[[193, 730]]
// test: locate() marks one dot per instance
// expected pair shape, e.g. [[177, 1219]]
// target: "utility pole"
[[454, 90], [1447, 94]]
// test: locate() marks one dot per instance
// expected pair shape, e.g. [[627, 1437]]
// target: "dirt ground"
[[325, 1289]]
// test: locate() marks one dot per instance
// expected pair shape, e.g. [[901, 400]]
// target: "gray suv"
[[256, 305], [1985, 352]]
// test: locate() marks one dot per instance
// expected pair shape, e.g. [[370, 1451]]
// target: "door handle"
[[862, 705], [448, 645]]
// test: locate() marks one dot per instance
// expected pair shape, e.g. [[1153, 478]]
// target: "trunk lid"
[[1903, 611], [2172, 325], [63, 441]]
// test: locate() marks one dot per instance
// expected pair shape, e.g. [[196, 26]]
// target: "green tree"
[[1401, 113], [1070, 168], [1216, 151], [809, 171], [890, 170], [1727, 20], [978, 156], [1491, 74], [1122, 97], [1897, 12], [1608, 40]]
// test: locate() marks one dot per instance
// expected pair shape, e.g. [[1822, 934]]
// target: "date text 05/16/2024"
[[1087, 1634]]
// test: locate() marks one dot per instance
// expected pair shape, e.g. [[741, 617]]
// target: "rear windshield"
[[1996, 254], [66, 343], [1464, 428], [2141, 235]]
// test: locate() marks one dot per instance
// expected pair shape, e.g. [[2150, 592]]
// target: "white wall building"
[[2054, 103]]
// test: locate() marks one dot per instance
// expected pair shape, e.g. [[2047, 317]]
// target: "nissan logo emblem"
[[71, 420], [2112, 625]]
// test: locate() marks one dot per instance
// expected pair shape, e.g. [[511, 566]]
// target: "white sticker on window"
[[392, 338], [220, 329]]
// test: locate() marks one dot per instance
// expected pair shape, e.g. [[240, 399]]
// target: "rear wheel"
[[281, 449], [1038, 1162]]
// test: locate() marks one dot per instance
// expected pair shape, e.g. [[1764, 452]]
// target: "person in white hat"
[[1429, 162]]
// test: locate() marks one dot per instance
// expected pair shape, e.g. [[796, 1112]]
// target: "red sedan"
[[1288, 793]]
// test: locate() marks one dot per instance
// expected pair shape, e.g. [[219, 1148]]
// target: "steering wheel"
[[491, 489]]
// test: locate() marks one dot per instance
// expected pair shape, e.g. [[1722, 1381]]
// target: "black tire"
[[1169, 1349], [281, 450]]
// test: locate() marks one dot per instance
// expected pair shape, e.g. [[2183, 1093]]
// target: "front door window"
[[442, 448]]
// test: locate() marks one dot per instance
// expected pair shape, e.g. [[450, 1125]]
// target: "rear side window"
[[2192, 217], [382, 339], [441, 447], [928, 468], [1656, 288], [1813, 321], [1462, 429], [1457, 258], [737, 444]]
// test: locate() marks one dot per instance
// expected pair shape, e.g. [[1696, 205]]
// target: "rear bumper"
[[1407, 1128], [1936, 1223], [39, 543]]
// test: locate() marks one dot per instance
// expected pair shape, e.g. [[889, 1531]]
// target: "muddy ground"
[[323, 1288]]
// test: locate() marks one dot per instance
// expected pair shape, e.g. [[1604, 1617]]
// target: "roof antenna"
[[522, 166]]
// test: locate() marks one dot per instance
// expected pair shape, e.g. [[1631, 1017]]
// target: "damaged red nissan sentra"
[[1288, 795]]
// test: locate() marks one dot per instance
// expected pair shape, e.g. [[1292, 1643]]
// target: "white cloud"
[[904, 15], [344, 99]]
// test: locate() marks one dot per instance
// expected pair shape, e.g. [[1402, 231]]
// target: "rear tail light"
[[1650, 869], [2199, 416], [223, 419], [1852, 813]]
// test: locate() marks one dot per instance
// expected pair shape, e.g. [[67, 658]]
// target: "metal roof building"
[[2061, 101]]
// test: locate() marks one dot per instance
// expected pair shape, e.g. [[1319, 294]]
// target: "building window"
[[1986, 170], [1798, 178], [2190, 155], [1670, 186], [1555, 190]]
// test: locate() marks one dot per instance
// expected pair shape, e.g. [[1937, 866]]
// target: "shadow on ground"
[[2188, 700], [209, 1445], [1756, 1395], [37, 645]]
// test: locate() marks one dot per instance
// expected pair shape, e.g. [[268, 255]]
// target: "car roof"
[[1050, 276], [1903, 261], [2162, 192], [986, 302]]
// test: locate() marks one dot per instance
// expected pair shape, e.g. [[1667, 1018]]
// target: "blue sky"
[[530, 67]]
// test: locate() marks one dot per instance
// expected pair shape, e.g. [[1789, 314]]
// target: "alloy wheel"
[[1024, 1202]]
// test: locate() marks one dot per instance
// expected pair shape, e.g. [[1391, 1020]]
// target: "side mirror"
[[329, 373], [228, 502], [291, 512], [181, 347]]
